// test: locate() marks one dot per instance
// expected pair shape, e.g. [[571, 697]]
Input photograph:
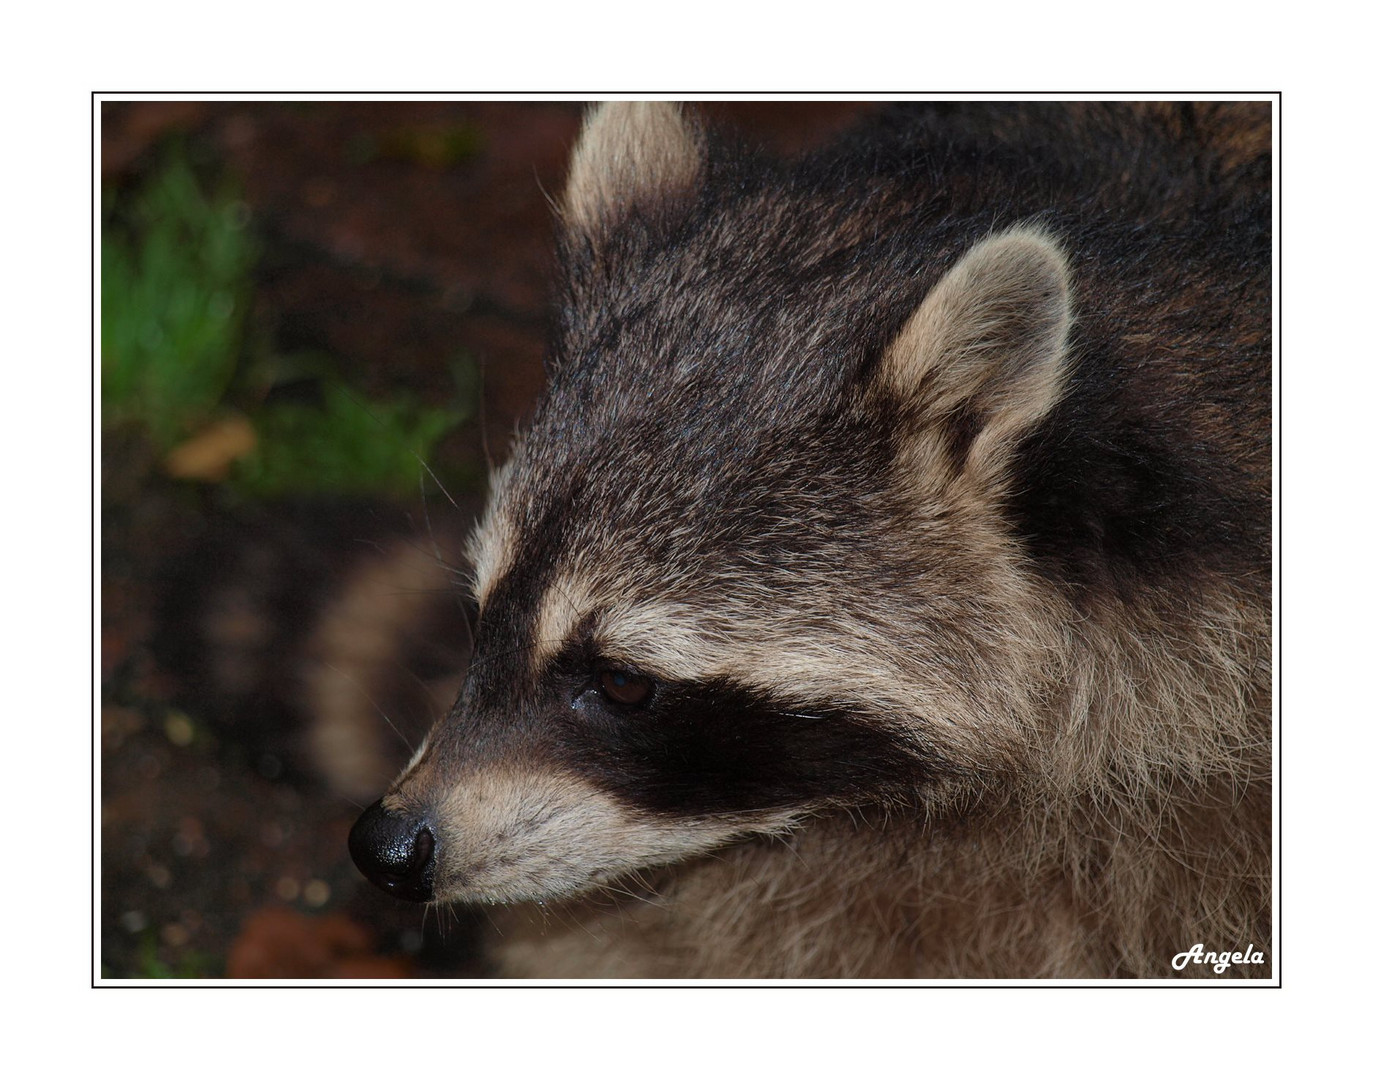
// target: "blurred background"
[[319, 322]]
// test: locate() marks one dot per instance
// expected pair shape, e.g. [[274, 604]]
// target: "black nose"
[[395, 851]]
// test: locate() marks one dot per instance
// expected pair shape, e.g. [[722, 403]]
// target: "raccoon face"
[[737, 573]]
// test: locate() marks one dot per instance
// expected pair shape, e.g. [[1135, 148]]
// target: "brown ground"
[[391, 253]]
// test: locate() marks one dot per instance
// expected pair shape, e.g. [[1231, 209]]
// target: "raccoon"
[[881, 588]]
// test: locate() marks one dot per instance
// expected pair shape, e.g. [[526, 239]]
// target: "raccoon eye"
[[624, 687]]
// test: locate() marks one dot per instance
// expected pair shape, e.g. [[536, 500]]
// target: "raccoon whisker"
[[372, 701], [434, 590], [481, 415], [456, 571], [437, 706], [362, 404], [565, 918], [467, 624], [636, 878], [786, 841], [489, 914], [439, 483], [515, 650], [552, 202], [640, 878], [366, 542], [501, 655], [429, 528], [451, 913], [445, 920], [547, 917], [580, 610], [618, 890]]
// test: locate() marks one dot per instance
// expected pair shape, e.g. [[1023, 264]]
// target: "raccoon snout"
[[395, 852]]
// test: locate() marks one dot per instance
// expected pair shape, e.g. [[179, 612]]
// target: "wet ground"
[[395, 238]]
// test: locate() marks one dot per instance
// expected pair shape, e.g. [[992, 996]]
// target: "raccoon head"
[[748, 564]]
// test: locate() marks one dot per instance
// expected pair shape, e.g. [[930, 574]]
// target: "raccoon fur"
[[318, 636], [882, 586]]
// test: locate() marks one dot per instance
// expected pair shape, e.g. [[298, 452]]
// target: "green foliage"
[[344, 444], [174, 293], [176, 286]]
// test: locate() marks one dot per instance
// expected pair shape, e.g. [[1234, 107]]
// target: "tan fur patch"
[[629, 150], [357, 645], [992, 337], [490, 548], [565, 603], [508, 835], [1039, 890]]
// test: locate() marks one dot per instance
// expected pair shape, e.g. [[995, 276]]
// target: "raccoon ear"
[[628, 152], [984, 357]]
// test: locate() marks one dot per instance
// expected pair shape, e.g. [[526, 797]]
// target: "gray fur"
[[785, 451]]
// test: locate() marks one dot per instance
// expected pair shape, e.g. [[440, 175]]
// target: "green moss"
[[174, 292]]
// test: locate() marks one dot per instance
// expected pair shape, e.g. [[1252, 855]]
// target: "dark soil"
[[395, 236]]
